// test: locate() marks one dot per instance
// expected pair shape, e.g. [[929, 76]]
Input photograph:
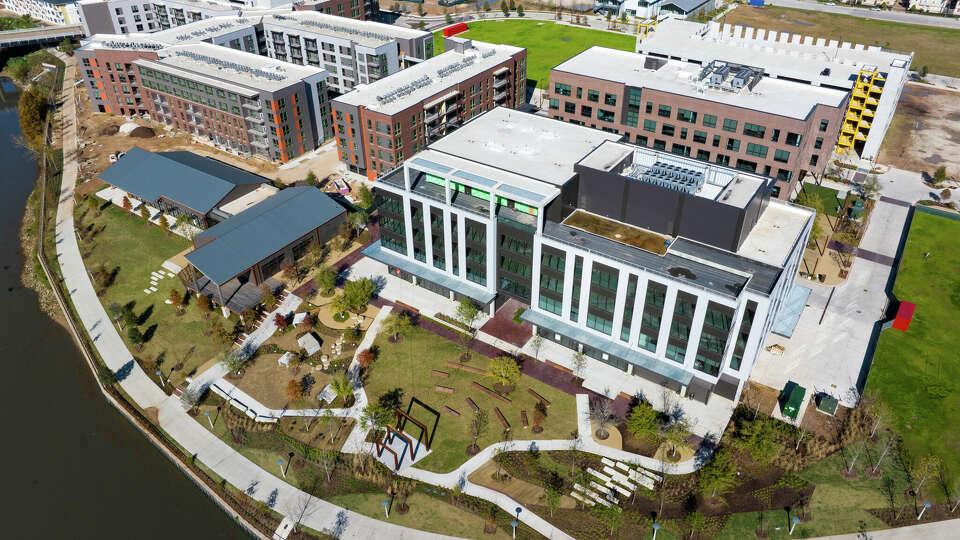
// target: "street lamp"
[[282, 472], [518, 510], [514, 524], [207, 413], [656, 527], [217, 417], [162, 380], [290, 456], [386, 507], [794, 521], [926, 504]]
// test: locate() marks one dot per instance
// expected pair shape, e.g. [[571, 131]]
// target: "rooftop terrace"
[[617, 231]]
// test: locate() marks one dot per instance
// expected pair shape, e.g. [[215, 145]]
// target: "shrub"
[[504, 370]]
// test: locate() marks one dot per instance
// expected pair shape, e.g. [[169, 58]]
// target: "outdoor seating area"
[[236, 296]]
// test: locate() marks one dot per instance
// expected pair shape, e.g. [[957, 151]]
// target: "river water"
[[72, 466]]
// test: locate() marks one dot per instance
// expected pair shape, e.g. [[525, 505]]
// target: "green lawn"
[[548, 44], [917, 372], [133, 250], [827, 196], [407, 365]]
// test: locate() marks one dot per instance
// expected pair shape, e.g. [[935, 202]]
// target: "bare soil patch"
[[925, 132]]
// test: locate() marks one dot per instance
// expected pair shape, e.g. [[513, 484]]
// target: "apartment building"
[[362, 10], [48, 11], [379, 124], [930, 6], [871, 75], [669, 269], [717, 111], [238, 101]]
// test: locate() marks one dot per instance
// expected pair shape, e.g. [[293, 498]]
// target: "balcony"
[[500, 83], [255, 105], [867, 112], [499, 96]]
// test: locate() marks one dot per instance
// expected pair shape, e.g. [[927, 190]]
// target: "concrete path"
[[939, 530], [891, 16], [190, 434]]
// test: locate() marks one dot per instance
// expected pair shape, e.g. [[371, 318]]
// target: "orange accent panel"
[[103, 96], [350, 131], [349, 119], [299, 138], [279, 132], [96, 73], [336, 129], [339, 154], [353, 159], [371, 175], [301, 149], [93, 62], [108, 109], [274, 105], [99, 85], [283, 157], [352, 147]]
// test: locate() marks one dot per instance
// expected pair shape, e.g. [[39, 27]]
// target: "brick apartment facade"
[[361, 10], [755, 141], [374, 142], [112, 80]]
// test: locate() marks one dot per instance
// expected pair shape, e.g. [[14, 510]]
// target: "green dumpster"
[[793, 398]]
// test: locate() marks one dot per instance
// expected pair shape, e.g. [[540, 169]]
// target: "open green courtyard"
[[548, 44], [129, 249], [407, 365], [916, 372]]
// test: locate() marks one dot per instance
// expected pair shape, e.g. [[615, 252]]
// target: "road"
[[890, 16]]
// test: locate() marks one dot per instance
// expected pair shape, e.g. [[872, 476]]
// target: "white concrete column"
[[569, 258], [447, 243], [535, 272], [492, 252], [408, 223], [731, 344], [696, 328], [623, 277], [638, 305], [666, 319], [462, 245], [427, 236], [584, 292]]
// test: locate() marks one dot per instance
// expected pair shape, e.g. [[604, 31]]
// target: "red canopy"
[[904, 316]]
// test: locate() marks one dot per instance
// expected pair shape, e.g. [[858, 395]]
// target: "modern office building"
[[379, 124], [873, 77], [717, 111], [670, 269], [238, 101], [48, 11]]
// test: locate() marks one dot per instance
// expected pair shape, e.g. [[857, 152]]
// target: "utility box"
[[756, 3], [827, 404], [791, 399]]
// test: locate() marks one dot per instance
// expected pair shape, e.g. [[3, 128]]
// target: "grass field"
[[927, 42], [133, 250], [916, 372], [407, 365], [548, 44], [827, 196]]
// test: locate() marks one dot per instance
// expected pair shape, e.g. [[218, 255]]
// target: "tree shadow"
[[145, 316], [148, 335], [124, 371]]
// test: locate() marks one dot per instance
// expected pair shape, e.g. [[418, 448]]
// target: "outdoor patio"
[[236, 296]]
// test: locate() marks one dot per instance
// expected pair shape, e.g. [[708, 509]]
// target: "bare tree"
[[579, 363], [536, 343], [886, 448], [327, 459], [601, 412], [855, 456], [301, 508]]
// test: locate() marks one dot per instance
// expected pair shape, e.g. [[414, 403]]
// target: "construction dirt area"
[[101, 135], [925, 132]]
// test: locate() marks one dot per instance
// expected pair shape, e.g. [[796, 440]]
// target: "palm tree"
[[342, 386]]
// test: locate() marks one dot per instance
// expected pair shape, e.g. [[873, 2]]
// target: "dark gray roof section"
[[431, 164], [687, 6], [260, 231], [763, 276], [194, 181], [670, 266]]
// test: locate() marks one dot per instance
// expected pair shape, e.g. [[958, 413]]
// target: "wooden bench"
[[523, 419], [472, 405], [451, 411], [408, 308], [489, 392], [506, 425], [561, 368], [466, 368], [541, 399], [443, 374], [444, 389]]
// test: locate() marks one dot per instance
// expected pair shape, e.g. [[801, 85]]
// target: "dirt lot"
[[925, 132], [266, 381]]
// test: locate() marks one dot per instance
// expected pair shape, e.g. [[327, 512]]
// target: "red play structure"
[[904, 316], [454, 29]]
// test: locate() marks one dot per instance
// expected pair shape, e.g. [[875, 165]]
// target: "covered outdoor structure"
[[237, 257], [205, 190]]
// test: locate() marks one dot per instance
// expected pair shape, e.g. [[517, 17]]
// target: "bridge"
[[46, 34]]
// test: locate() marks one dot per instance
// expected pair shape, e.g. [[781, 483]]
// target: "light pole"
[[116, 321], [926, 505], [217, 417], [386, 507], [514, 524], [282, 472], [518, 510], [162, 380], [207, 413], [656, 527], [290, 458], [794, 522]]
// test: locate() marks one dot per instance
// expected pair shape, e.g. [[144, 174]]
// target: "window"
[[649, 108], [729, 125], [633, 107], [813, 160], [569, 107], [793, 139], [757, 150], [676, 352], [716, 141], [745, 165], [602, 278], [754, 130], [709, 120], [824, 124], [664, 111], [600, 324], [782, 156], [784, 175], [700, 137], [683, 133], [722, 159], [659, 145], [680, 149], [586, 111], [605, 116], [733, 145], [667, 129], [650, 125], [703, 155], [593, 95], [818, 144], [550, 304], [776, 135], [550, 283], [600, 301], [609, 99], [642, 140], [554, 262], [554, 103], [579, 92], [562, 89], [632, 118], [684, 115]]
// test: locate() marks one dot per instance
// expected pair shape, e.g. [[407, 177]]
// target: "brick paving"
[[502, 325]]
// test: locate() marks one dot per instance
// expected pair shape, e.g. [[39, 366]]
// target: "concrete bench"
[[541, 399], [503, 421], [472, 405], [618, 489], [451, 411], [623, 466], [443, 389], [443, 374], [598, 474], [489, 392], [584, 500], [608, 461], [600, 487], [644, 481]]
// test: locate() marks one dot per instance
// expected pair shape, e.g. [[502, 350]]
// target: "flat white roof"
[[426, 79], [775, 96], [782, 54], [256, 196], [775, 234], [534, 147], [485, 177], [133, 42], [248, 69], [369, 33], [203, 30]]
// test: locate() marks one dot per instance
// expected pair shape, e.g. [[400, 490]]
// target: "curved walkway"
[[190, 434]]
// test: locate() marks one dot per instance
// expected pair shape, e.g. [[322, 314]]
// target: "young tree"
[[676, 434], [399, 326], [281, 321], [601, 412], [342, 386], [447, 17], [551, 498], [880, 412], [268, 299], [513, 5], [326, 279], [164, 224], [504, 8], [536, 343], [611, 516], [93, 205], [719, 474], [306, 324], [203, 304], [420, 11], [294, 390], [365, 358], [18, 68], [579, 363], [365, 196], [135, 337], [519, 10], [357, 293], [467, 315], [642, 422], [375, 417], [478, 427], [66, 46], [758, 437], [311, 178], [145, 214], [925, 468], [127, 205], [176, 300], [358, 220], [539, 414], [504, 370], [328, 460], [871, 187], [180, 223], [940, 175], [697, 523]]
